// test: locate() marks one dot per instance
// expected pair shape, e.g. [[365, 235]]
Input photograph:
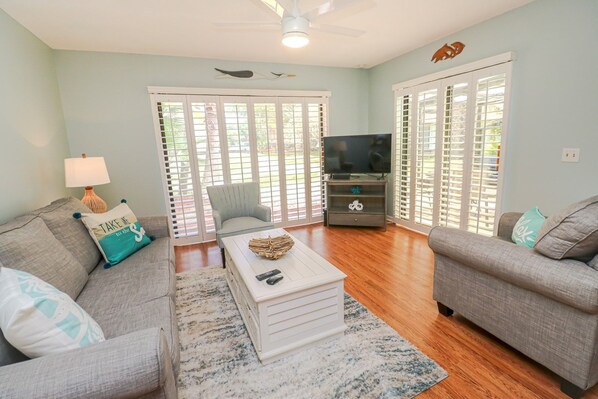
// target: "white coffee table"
[[305, 308]]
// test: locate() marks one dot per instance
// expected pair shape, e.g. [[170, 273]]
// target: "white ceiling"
[[185, 27]]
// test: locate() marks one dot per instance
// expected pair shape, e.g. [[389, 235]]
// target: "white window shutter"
[[268, 159], [175, 155], [213, 140], [402, 208], [449, 144]]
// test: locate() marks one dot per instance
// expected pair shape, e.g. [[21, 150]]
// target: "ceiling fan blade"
[[329, 7], [337, 30], [282, 8], [247, 25]]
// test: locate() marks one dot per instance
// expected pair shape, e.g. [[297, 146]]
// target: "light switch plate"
[[570, 155]]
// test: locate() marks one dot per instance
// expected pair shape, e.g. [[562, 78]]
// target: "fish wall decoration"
[[250, 75], [448, 51]]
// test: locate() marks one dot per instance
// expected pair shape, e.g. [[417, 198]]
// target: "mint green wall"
[[553, 100], [33, 141], [107, 109]]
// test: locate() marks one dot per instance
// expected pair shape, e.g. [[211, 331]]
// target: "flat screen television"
[[360, 154]]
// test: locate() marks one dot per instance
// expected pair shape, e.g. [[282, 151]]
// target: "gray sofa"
[[545, 308], [133, 302]]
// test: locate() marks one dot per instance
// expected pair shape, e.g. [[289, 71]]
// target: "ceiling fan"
[[296, 25]]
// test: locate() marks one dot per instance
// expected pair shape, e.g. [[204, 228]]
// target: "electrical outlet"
[[570, 155]]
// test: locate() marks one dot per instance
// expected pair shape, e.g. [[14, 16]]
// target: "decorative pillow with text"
[[117, 233]]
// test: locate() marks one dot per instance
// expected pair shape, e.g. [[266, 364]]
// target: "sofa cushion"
[[159, 312], [594, 262], [130, 283], [571, 233], [27, 244], [160, 250], [58, 216]]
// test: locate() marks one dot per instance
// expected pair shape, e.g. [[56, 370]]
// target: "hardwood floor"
[[391, 273]]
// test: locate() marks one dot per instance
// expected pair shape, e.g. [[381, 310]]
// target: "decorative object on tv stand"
[[448, 51], [271, 247], [356, 206], [356, 190], [87, 172], [250, 75]]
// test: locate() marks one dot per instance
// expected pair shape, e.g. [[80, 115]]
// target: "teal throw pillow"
[[527, 227], [117, 233]]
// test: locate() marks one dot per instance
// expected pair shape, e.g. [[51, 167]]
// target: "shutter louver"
[[177, 168]]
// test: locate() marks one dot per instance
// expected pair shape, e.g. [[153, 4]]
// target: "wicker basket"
[[271, 247]]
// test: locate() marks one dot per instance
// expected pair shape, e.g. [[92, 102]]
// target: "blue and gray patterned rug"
[[218, 360]]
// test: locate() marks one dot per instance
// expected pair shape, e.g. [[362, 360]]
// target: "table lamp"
[[87, 172]]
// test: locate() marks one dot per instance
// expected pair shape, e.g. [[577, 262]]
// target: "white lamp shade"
[[84, 172]]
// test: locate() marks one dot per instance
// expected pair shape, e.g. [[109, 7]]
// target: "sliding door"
[[450, 140], [213, 140]]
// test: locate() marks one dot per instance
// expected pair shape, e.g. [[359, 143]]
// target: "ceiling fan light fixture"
[[295, 39]]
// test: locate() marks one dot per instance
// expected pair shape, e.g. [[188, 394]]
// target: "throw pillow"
[[594, 262], [571, 233], [117, 233], [58, 216], [527, 227], [27, 244], [39, 320]]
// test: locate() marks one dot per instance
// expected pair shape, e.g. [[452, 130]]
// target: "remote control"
[[266, 275], [273, 280]]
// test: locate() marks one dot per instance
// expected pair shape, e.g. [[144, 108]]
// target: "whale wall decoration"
[[250, 75]]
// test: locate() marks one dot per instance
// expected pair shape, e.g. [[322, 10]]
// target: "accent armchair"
[[236, 210]]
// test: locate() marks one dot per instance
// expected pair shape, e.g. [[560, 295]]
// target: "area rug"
[[218, 360]]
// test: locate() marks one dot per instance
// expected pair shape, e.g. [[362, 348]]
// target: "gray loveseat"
[[133, 302], [545, 308]]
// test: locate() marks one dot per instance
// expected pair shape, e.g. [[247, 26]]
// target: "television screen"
[[367, 153]]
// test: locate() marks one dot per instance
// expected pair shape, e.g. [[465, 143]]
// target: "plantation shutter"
[[454, 154], [486, 152], [318, 128], [402, 195], [268, 147], [174, 145], [236, 128], [294, 159], [424, 159], [449, 145], [213, 140], [210, 168]]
